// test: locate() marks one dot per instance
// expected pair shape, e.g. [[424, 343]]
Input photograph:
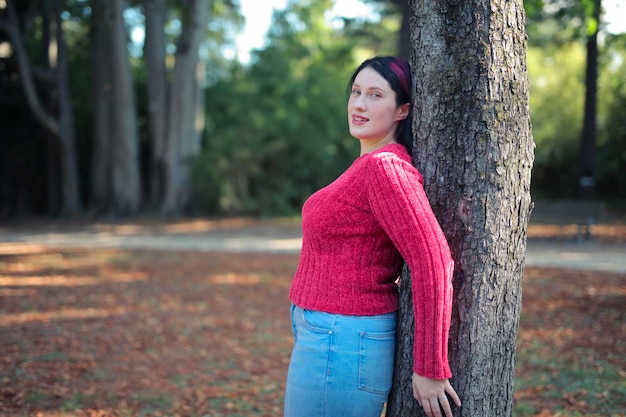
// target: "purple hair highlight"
[[399, 69]]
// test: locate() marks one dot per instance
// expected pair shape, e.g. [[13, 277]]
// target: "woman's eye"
[[356, 92]]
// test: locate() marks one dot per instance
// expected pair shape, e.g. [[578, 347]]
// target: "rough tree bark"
[[475, 150]]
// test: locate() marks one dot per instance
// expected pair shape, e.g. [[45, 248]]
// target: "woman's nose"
[[359, 102]]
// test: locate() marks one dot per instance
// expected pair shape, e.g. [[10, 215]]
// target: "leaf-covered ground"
[[105, 332], [571, 355]]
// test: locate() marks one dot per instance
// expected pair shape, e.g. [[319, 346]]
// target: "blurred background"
[[116, 109]]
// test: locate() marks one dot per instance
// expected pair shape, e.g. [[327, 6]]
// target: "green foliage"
[[277, 129], [556, 76], [611, 149], [556, 103], [557, 22]]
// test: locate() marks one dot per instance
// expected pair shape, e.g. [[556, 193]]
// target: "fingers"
[[443, 400], [438, 407], [432, 408], [427, 406], [452, 393], [416, 395], [430, 405], [431, 396]]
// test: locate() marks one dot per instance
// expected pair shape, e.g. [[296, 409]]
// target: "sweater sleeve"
[[400, 205]]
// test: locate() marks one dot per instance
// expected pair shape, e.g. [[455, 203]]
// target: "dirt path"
[[548, 246]]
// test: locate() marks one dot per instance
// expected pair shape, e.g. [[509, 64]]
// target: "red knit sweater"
[[356, 233]]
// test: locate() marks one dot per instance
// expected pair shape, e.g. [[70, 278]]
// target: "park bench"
[[582, 213]]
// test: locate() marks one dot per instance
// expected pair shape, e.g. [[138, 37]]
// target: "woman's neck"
[[371, 146]]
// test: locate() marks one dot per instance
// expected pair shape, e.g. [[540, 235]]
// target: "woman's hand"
[[431, 395]]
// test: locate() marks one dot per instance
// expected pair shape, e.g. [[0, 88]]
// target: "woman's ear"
[[403, 111]]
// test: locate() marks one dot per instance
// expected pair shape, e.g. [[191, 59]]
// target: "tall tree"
[[404, 35], [586, 177], [55, 117], [176, 112], [154, 54], [117, 184], [102, 159], [399, 10], [72, 205], [475, 150], [562, 21]]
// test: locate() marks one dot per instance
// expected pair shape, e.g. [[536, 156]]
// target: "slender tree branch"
[[11, 27]]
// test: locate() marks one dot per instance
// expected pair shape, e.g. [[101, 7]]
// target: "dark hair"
[[397, 73]]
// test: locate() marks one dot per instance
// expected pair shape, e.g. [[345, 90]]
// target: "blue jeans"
[[341, 366]]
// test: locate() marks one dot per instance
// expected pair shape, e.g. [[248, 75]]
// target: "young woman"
[[356, 233]]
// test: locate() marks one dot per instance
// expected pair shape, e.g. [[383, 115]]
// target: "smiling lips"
[[359, 120]]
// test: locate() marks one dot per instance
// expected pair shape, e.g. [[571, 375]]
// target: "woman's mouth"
[[358, 120]]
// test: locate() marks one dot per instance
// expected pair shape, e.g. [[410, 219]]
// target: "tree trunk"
[[116, 180], [61, 129], [182, 136], [11, 27], [154, 52], [69, 172], [404, 38], [101, 159], [126, 179], [475, 150], [47, 97], [586, 177]]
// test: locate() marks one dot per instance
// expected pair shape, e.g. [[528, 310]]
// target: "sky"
[[258, 16], [615, 14]]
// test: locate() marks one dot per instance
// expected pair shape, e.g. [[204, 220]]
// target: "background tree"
[[157, 85], [53, 114], [556, 113], [404, 38], [393, 18], [611, 150], [176, 94], [475, 150], [182, 142], [587, 166], [247, 159], [553, 26], [116, 173]]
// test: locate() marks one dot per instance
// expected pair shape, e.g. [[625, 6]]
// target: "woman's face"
[[372, 110]]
